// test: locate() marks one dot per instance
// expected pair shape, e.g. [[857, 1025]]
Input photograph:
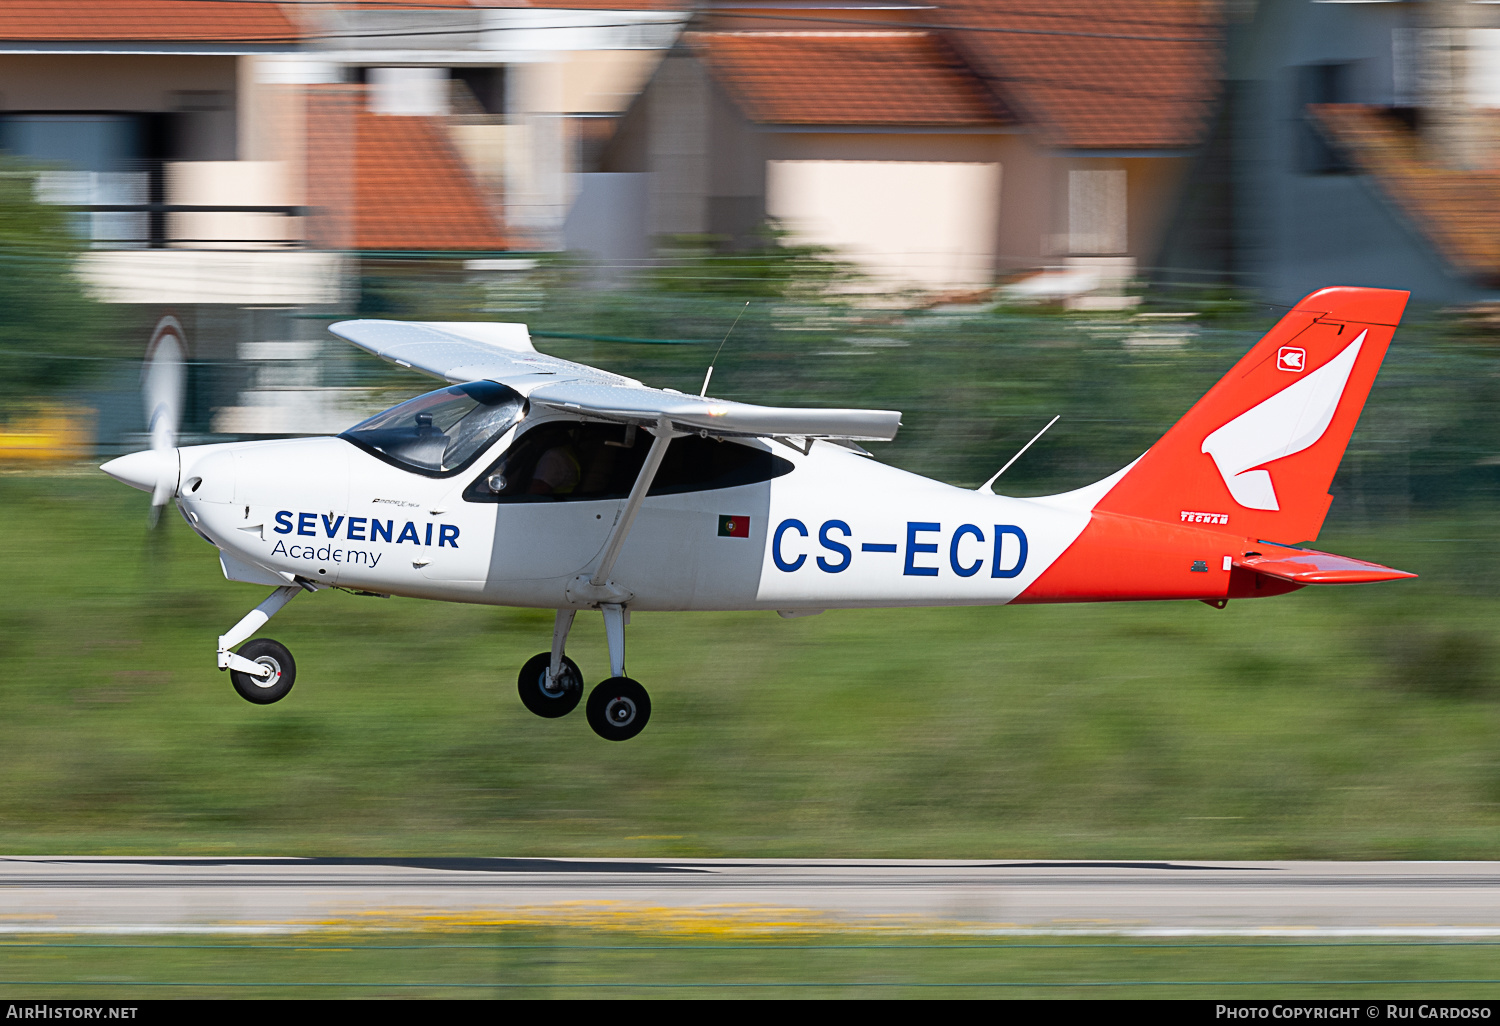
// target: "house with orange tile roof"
[[1356, 146], [939, 147], [158, 110], [163, 95], [240, 161], [113, 98], [526, 89]]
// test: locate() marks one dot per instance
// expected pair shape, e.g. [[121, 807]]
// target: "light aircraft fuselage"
[[532, 481], [833, 530]]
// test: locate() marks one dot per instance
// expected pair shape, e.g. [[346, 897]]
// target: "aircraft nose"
[[143, 469]]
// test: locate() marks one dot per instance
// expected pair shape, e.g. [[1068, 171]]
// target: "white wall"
[[906, 223], [1484, 67], [409, 91], [608, 221], [212, 183], [231, 278]]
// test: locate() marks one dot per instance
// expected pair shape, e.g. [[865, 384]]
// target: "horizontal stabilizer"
[[1307, 566]]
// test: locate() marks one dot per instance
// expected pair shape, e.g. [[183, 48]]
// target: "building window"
[[1096, 213], [486, 85], [408, 91], [89, 159], [1316, 84], [202, 125]]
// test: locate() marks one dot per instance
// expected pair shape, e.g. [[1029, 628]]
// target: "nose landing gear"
[[551, 684], [262, 671]]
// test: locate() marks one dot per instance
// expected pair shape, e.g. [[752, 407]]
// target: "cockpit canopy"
[[442, 432]]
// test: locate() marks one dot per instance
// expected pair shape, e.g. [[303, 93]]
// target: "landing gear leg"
[[263, 671], [618, 708], [550, 683], [560, 629], [614, 636]]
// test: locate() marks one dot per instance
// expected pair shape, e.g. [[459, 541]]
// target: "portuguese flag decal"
[[734, 527]]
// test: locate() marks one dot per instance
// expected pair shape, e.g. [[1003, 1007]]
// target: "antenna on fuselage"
[[704, 390], [986, 486]]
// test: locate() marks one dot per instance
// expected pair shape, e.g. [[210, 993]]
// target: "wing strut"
[[598, 583]]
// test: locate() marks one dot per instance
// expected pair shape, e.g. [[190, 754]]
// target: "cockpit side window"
[[569, 460], [442, 432]]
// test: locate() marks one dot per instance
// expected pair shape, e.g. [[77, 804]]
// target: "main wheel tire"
[[283, 672], [618, 709], [551, 702]]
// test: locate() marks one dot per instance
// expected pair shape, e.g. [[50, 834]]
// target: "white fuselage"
[[839, 530]]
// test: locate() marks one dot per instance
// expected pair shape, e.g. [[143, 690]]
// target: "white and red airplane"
[[533, 481]]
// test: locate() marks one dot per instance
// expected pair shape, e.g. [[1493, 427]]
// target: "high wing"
[[468, 351]]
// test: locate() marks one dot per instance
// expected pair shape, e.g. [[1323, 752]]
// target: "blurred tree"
[[50, 328], [774, 268]]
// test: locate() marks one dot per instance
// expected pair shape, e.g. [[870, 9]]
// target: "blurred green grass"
[[1332, 723], [580, 963]]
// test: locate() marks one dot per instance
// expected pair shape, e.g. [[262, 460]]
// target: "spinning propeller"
[[163, 375]]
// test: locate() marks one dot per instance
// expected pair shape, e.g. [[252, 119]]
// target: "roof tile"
[[139, 20], [846, 78], [409, 189], [1098, 74], [1458, 211]]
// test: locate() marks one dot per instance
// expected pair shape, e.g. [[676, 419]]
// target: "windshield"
[[443, 431]]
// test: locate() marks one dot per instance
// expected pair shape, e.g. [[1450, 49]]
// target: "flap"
[[721, 417]]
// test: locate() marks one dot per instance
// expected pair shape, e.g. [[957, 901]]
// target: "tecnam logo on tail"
[[1288, 422]]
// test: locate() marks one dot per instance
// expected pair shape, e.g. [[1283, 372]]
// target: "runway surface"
[[251, 895]]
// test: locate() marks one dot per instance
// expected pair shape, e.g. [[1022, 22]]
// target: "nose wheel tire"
[[618, 709], [273, 688], [550, 699]]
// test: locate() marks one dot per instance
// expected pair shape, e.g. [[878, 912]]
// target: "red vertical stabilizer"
[[1253, 459], [1262, 446]]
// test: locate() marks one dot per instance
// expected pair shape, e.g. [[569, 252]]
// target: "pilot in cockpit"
[[557, 472]]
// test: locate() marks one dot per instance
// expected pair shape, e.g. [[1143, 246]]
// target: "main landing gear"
[[551, 685]]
